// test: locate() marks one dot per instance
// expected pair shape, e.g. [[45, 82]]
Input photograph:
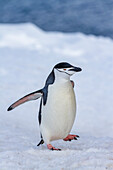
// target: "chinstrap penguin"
[[58, 105]]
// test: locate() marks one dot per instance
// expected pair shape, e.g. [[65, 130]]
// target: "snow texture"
[[27, 55]]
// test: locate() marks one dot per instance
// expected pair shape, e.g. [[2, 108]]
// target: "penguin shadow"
[[84, 143], [63, 145]]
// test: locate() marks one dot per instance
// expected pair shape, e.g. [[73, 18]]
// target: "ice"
[[27, 55]]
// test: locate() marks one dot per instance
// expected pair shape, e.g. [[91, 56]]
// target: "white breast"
[[58, 114]]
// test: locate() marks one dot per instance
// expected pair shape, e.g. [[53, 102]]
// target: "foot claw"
[[59, 149], [54, 149], [75, 138]]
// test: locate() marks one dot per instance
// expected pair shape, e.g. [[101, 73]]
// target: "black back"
[[50, 80]]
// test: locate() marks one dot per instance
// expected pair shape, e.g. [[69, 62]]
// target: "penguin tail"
[[32, 96], [41, 142]]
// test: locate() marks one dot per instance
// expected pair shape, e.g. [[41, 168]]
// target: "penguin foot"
[[71, 137], [50, 147]]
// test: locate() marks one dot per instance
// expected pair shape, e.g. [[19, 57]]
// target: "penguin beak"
[[76, 69]]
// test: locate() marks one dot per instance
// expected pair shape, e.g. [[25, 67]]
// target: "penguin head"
[[65, 70]]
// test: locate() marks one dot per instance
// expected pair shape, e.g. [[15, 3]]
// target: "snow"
[[27, 55]]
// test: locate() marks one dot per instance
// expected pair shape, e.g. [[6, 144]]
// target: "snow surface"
[[27, 55]]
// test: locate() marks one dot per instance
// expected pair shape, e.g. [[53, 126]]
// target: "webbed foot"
[[50, 147], [71, 137]]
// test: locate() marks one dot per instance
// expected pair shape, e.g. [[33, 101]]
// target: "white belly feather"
[[58, 114]]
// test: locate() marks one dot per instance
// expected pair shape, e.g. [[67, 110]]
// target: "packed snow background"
[[27, 55]]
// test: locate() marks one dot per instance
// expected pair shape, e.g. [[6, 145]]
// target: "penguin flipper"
[[32, 96], [73, 84]]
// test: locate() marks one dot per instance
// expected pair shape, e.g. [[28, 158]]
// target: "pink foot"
[[71, 137], [52, 148]]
